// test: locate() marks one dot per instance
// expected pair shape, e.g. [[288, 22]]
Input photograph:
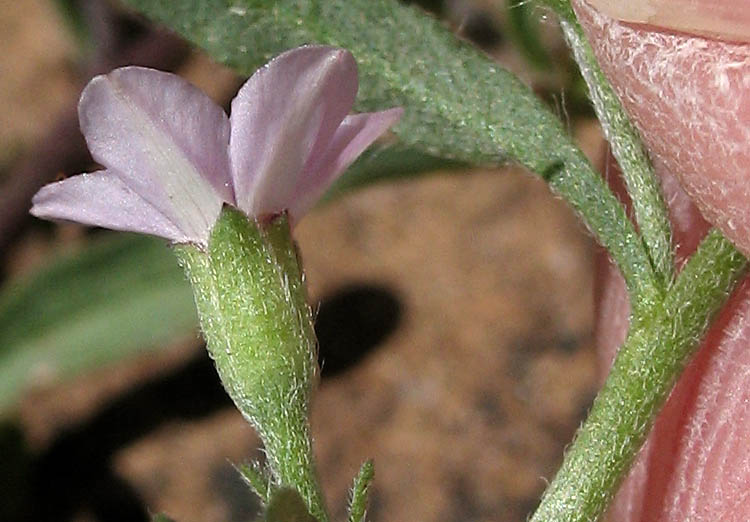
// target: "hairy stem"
[[644, 372], [640, 179]]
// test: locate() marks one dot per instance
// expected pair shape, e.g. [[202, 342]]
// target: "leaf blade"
[[122, 296]]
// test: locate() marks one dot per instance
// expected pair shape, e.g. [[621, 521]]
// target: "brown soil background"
[[465, 407]]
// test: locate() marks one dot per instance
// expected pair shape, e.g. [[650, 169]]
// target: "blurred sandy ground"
[[466, 407]]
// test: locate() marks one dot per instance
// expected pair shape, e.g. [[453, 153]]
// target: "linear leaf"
[[122, 296]]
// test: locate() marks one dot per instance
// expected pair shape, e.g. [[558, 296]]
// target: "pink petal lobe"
[[356, 133], [102, 199], [286, 112], [690, 98], [165, 139]]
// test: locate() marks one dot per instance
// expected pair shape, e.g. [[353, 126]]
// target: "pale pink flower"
[[173, 158]]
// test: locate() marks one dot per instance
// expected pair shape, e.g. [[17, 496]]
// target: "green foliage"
[[122, 296]]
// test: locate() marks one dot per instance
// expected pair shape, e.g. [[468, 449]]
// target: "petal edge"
[[102, 199]]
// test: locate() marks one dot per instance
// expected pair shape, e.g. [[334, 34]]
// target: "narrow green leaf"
[[358, 505], [257, 477], [458, 103], [122, 296], [641, 180]]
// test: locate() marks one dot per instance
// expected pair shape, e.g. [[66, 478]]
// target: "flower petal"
[[102, 199], [165, 139], [286, 111], [356, 133]]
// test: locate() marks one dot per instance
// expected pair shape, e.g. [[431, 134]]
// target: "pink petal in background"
[[356, 133]]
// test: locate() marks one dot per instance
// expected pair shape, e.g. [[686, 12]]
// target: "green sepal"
[[258, 479], [253, 310]]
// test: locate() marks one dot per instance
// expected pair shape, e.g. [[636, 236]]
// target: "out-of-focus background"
[[454, 311]]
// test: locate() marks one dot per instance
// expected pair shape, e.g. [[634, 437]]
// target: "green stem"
[[641, 180], [258, 327], [644, 372]]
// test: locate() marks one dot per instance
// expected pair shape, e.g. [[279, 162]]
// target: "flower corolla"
[[172, 158]]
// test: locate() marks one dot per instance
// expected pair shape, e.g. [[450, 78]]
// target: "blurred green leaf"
[[389, 163], [286, 505], [161, 517], [74, 15], [524, 30], [126, 294]]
